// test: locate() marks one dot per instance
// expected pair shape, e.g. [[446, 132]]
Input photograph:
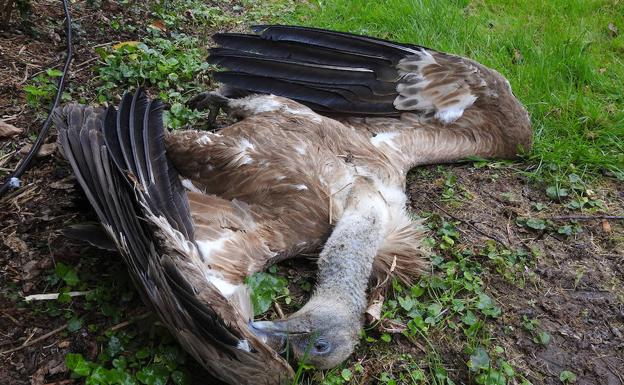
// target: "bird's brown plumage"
[[288, 172], [120, 162], [273, 185]]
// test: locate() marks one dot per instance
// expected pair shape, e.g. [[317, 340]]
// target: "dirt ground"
[[576, 289], [578, 286]]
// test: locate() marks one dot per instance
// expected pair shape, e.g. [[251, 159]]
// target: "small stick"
[[585, 217], [46, 297], [128, 322], [38, 339], [11, 318], [62, 382], [30, 336]]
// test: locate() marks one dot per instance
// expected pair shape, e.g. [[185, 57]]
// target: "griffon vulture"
[[330, 123]]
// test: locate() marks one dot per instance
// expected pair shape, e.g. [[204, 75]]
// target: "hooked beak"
[[274, 333]]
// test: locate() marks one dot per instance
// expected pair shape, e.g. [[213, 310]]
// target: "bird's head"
[[321, 334]]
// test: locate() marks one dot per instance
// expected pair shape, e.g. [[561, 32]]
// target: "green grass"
[[559, 55]]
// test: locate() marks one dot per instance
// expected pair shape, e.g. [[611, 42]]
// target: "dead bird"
[[194, 213]]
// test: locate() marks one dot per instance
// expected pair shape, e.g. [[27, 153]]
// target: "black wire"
[[25, 164]]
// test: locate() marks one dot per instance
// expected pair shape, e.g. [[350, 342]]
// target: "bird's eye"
[[321, 347]]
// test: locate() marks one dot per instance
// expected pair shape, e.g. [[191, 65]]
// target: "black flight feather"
[[328, 99], [102, 163], [333, 72], [341, 41]]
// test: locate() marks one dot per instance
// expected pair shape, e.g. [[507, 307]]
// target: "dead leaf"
[[31, 269], [613, 30], [61, 186], [392, 326], [16, 244], [602, 70], [55, 37], [374, 309], [50, 368], [64, 344], [8, 130], [159, 25], [66, 183], [606, 226], [46, 149], [131, 43]]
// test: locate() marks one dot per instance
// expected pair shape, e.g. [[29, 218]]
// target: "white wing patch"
[[204, 140], [225, 288], [243, 157], [301, 187], [179, 242], [256, 104], [207, 248], [188, 184], [243, 345], [386, 138], [455, 111]]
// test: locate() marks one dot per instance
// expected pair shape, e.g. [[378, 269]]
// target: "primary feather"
[[119, 159]]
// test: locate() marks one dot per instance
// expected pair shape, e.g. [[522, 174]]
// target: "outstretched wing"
[[338, 72], [119, 159]]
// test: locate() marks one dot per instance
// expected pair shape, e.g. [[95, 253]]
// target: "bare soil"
[[576, 289]]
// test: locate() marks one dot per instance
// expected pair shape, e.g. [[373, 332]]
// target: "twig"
[[46, 297], [128, 322], [30, 337], [330, 200], [11, 318], [278, 309], [38, 339], [492, 237], [584, 217], [84, 65], [62, 382]]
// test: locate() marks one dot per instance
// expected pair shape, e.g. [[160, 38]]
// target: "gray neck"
[[346, 262]]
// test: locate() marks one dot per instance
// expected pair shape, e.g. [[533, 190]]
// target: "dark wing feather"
[[341, 41], [345, 73], [318, 96], [119, 160]]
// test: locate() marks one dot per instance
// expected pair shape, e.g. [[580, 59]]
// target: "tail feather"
[[70, 141]]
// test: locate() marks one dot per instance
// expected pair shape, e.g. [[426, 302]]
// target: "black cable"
[[25, 164]]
